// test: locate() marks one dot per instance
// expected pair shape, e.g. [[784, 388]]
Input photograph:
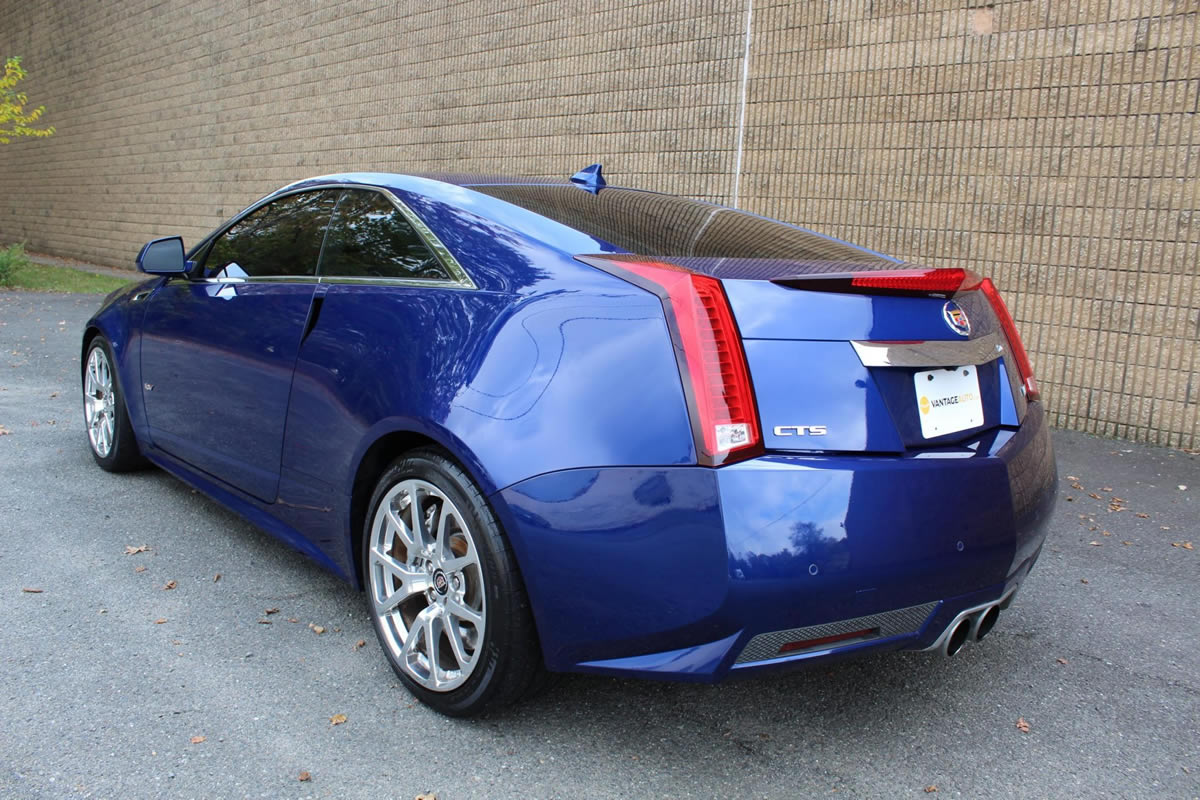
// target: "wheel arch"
[[386, 444]]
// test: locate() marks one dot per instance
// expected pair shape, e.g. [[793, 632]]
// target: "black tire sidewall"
[[124, 453], [495, 564]]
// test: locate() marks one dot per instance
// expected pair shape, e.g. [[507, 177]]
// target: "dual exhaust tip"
[[971, 627]]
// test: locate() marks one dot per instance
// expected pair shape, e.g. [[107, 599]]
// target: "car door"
[[389, 298], [218, 351]]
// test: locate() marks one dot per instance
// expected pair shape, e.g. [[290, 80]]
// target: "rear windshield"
[[663, 225]]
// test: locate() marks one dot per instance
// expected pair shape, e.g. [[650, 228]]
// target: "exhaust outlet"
[[958, 637], [987, 621]]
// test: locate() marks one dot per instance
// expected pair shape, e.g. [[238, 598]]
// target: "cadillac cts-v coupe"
[[558, 426]]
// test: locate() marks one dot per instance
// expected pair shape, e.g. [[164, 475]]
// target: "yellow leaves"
[[133, 550], [199, 739], [14, 119], [337, 719]]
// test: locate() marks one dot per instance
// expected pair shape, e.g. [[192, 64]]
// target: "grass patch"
[[18, 272]]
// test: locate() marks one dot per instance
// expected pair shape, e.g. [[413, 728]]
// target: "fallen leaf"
[[317, 629], [1077, 485], [53, 395], [1106, 488], [1062, 661], [169, 585], [1164, 527], [139, 568], [1093, 495], [31, 590], [141, 548], [427, 796], [1106, 533], [4, 431], [292, 619], [1140, 515], [1072, 478], [931, 788], [304, 776], [216, 577], [1022, 725], [361, 643], [271, 611], [160, 620], [198, 739], [337, 719], [264, 622], [1094, 544], [1083, 580], [1184, 545], [1183, 487]]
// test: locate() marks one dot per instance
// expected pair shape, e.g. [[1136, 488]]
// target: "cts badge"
[[956, 318], [801, 430]]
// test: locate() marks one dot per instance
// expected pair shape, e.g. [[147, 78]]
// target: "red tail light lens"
[[708, 348], [907, 282], [1014, 339]]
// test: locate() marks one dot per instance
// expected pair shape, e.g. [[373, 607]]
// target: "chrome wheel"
[[98, 402], [426, 585]]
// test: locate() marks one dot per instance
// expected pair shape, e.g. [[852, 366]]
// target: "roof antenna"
[[590, 179]]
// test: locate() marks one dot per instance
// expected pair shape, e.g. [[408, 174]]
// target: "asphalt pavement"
[[214, 662]]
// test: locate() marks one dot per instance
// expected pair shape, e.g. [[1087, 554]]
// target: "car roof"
[[617, 218]]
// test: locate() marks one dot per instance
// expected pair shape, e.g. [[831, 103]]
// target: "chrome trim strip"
[[931, 353], [416, 282]]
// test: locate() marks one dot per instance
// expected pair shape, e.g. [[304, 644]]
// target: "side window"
[[281, 238], [370, 238]]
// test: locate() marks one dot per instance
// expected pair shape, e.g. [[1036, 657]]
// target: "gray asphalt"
[[100, 699]]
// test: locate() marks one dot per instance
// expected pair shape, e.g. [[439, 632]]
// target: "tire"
[[444, 592], [110, 435]]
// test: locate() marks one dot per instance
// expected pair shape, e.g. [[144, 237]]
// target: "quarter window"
[[370, 238], [283, 238]]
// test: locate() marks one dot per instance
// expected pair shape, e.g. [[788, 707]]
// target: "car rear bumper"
[[691, 573]]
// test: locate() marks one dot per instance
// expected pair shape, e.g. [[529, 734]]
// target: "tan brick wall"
[[1052, 145]]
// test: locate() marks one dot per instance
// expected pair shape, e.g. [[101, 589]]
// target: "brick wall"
[[1052, 145]]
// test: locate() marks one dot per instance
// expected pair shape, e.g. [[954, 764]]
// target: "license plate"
[[948, 400]]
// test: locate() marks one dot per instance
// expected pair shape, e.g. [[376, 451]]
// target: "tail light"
[[915, 282], [708, 349], [1014, 339], [918, 282]]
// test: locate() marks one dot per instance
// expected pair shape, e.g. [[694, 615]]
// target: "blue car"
[[557, 426]]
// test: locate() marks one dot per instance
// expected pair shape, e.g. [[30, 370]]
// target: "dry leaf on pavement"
[[160, 620], [1022, 725], [139, 569], [1061, 660], [426, 796], [198, 739], [317, 629], [31, 590], [131, 549], [337, 719], [304, 775], [271, 611], [1184, 545], [169, 585], [931, 788], [361, 643], [216, 577]]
